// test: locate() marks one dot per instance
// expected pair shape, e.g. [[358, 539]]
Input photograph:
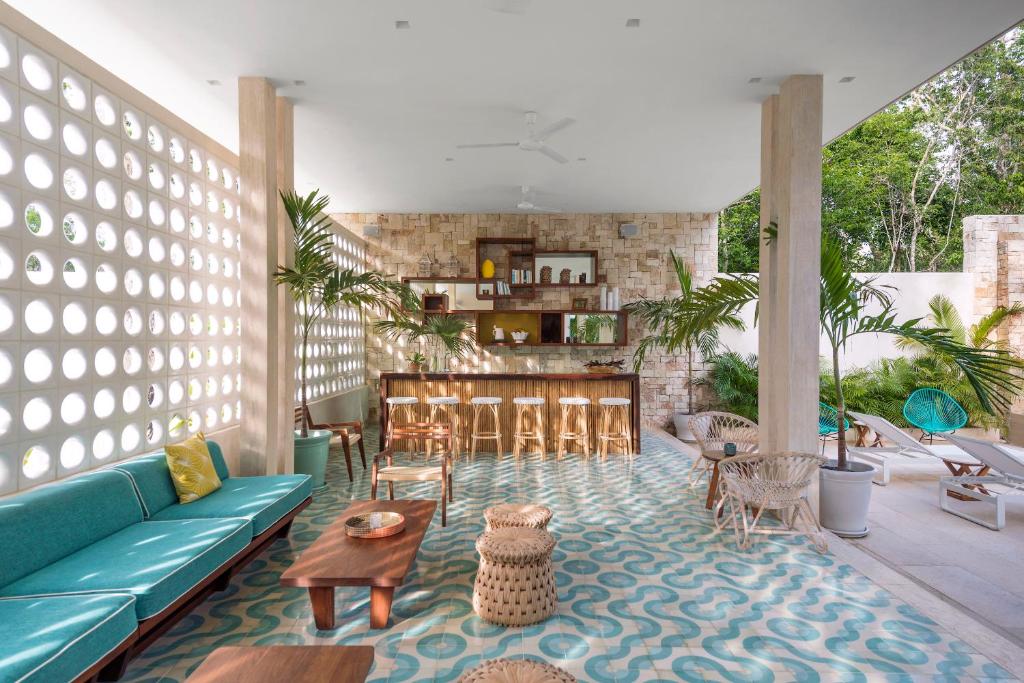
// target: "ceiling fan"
[[526, 205], [535, 140]]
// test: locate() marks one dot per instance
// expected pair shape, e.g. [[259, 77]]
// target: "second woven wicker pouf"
[[515, 585], [511, 514], [516, 671]]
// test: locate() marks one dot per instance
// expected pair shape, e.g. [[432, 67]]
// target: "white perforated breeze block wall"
[[337, 348], [119, 277]]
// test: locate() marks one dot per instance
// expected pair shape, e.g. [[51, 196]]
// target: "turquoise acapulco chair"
[[828, 423], [934, 412]]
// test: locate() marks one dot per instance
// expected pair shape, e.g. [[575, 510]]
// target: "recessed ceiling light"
[[213, 81], [581, 158], [402, 23], [449, 158], [632, 23], [847, 79], [755, 79], [299, 82]]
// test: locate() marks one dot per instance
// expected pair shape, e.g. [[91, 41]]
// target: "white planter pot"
[[844, 497], [682, 421]]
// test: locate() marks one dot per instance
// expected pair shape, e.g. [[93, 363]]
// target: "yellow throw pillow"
[[192, 469]]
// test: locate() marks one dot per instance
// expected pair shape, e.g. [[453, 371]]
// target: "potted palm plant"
[[845, 301], [673, 329], [318, 286], [446, 336]]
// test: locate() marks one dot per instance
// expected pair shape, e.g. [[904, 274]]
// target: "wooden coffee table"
[[294, 663], [337, 559]]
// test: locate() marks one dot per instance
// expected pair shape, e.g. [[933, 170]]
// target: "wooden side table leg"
[[380, 605], [713, 486], [323, 607]]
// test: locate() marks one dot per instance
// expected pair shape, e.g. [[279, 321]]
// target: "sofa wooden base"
[[113, 666]]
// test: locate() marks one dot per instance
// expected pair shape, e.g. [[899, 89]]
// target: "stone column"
[[262, 397], [285, 303], [790, 266]]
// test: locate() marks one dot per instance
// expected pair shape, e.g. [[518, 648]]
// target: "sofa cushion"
[[262, 500], [157, 562], [57, 638], [191, 468], [40, 527], [152, 478]]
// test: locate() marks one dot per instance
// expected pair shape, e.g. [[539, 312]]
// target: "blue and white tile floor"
[[647, 591]]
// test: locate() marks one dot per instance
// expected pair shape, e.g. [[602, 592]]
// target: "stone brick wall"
[[639, 266]]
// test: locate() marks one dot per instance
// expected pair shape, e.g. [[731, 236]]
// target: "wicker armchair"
[[769, 482], [713, 430]]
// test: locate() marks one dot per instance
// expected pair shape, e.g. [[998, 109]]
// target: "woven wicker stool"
[[515, 585], [615, 426], [516, 671], [529, 516]]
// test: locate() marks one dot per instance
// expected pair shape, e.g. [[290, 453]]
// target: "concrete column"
[[260, 441], [790, 266], [285, 341]]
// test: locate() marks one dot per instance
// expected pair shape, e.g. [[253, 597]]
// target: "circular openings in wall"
[[155, 139], [176, 322], [195, 161], [73, 93], [156, 177], [74, 229], [157, 214], [212, 172], [195, 291], [106, 278], [156, 286], [155, 359], [132, 204], [195, 227], [177, 186], [133, 282], [212, 233], [35, 463], [106, 113], [195, 194], [131, 437], [228, 268], [227, 238], [177, 285], [38, 316], [104, 361], [106, 154], [177, 254], [194, 421], [177, 220], [132, 243], [37, 72], [72, 453], [75, 185], [38, 122], [176, 359], [154, 432], [195, 324], [195, 259], [6, 368], [6, 211], [227, 209], [133, 321], [106, 196], [225, 413], [132, 126], [38, 219], [74, 139], [73, 408], [74, 318], [73, 364], [38, 366], [5, 55], [132, 165], [106, 320], [38, 171], [211, 358], [6, 315], [6, 159], [106, 236], [36, 414], [154, 395], [227, 178], [195, 357], [103, 403], [38, 268], [103, 445], [131, 399], [195, 389], [175, 425], [6, 108], [156, 323], [131, 361], [212, 294], [74, 273], [212, 202], [176, 150]]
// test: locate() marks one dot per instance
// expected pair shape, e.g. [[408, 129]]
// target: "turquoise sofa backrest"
[[152, 478], [42, 526]]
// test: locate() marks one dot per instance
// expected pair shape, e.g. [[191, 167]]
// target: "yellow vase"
[[487, 269]]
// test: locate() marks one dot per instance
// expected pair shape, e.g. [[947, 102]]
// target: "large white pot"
[[683, 432], [844, 497]]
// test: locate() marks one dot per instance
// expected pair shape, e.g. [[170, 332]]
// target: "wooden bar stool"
[[480, 403], [573, 426], [528, 409], [444, 409], [615, 425], [404, 405]]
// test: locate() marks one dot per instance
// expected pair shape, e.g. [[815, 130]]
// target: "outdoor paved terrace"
[[647, 592]]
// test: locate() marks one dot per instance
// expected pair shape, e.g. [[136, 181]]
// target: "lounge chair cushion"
[[152, 478], [261, 500], [39, 527], [191, 467], [57, 638], [157, 562]]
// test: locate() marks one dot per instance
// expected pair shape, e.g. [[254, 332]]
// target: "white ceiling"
[[666, 118]]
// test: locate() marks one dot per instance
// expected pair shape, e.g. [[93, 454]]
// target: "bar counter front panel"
[[550, 387]]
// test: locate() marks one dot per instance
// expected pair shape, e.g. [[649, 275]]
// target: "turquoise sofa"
[[118, 542]]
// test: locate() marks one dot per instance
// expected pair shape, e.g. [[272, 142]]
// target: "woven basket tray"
[[375, 525]]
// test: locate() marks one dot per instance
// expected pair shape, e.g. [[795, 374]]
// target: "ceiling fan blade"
[[544, 133], [552, 154], [488, 144]]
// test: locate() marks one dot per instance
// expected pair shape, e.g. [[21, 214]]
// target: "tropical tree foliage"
[[451, 335], [732, 378]]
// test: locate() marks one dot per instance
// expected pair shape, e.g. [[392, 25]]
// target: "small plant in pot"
[[318, 285], [448, 336], [674, 328], [417, 361], [845, 299]]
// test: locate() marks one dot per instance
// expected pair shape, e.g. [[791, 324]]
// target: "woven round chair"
[[934, 412], [511, 515], [769, 483], [713, 430], [515, 584], [516, 671]]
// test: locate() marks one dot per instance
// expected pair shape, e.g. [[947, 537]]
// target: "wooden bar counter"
[[550, 387]]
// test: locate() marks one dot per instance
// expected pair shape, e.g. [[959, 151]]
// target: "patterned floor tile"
[[647, 591]]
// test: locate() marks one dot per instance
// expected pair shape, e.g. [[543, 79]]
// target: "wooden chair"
[[345, 434], [430, 432]]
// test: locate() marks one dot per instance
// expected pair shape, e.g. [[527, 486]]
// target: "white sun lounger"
[[991, 488], [907, 450]]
